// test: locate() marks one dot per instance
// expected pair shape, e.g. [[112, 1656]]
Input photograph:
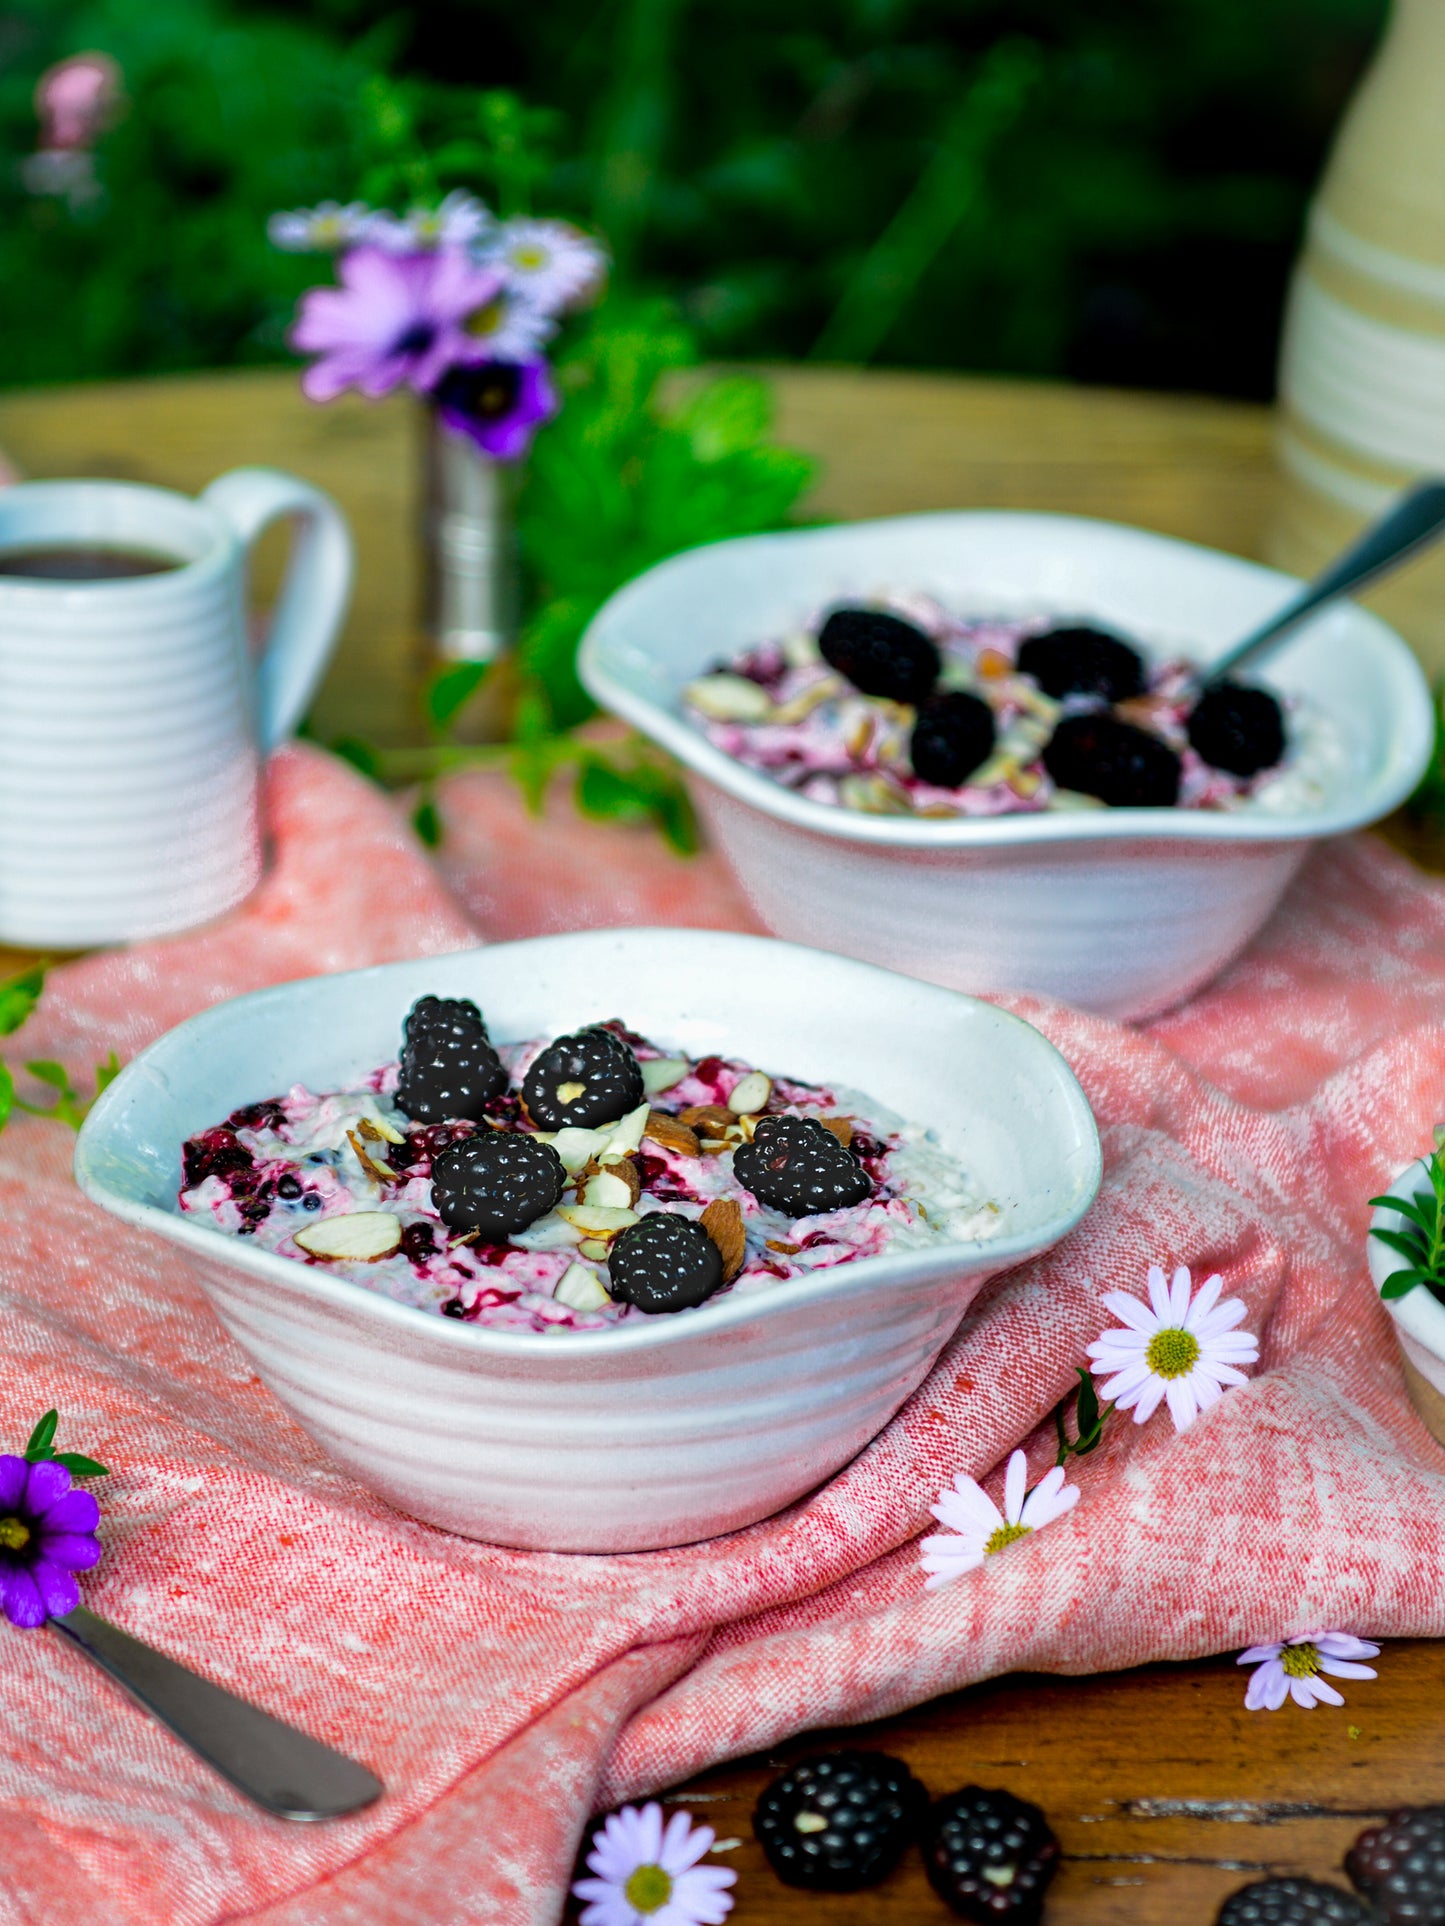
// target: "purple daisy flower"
[[47, 1534], [395, 318], [499, 404]]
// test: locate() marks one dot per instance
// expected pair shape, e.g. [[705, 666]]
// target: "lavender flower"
[[47, 1534], [457, 222], [321, 229], [553, 264], [499, 404], [395, 318]]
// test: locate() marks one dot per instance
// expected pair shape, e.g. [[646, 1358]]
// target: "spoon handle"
[[280, 1768], [1415, 519]]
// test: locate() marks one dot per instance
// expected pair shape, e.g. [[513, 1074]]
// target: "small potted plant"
[[1406, 1248]]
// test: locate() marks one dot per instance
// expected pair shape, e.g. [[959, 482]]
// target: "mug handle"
[[314, 596]]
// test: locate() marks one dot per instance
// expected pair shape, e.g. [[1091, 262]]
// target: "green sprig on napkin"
[[18, 997]]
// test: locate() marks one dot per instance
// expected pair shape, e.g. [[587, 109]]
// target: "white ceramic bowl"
[[1419, 1316], [1123, 911], [656, 1432]]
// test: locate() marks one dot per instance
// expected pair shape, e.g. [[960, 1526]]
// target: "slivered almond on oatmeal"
[[672, 1133], [708, 1119], [841, 1127], [382, 1173], [723, 1222]]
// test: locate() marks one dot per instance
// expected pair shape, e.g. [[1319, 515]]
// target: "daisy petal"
[[1159, 1293], [1276, 1688], [1015, 1480], [1257, 1654], [1130, 1311], [1183, 1405], [1344, 1669], [1179, 1297], [1149, 1400], [1345, 1645], [1203, 1303]]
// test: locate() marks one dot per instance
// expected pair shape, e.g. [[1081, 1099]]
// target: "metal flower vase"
[[470, 549]]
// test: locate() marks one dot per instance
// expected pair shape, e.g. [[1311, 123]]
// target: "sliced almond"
[[597, 1220], [716, 1147], [673, 1134], [797, 707], [464, 1237], [381, 1173], [581, 1289], [577, 1148], [723, 1222], [788, 1250], [608, 1190], [359, 1237], [570, 1092], [750, 1094], [841, 1128], [708, 1119], [594, 1247], [729, 698], [625, 1136], [661, 1073], [377, 1130]]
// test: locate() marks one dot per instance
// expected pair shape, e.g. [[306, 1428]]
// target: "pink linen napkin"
[[504, 1695]]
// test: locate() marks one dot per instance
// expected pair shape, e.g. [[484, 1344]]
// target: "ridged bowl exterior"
[[1121, 911], [659, 1432]]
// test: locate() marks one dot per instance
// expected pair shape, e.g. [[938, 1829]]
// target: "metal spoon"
[[282, 1769], [1414, 521]]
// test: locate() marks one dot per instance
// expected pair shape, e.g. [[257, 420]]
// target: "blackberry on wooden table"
[[880, 654], [793, 1164], [990, 1856], [954, 733], [448, 1066], [1400, 1867], [665, 1262], [1082, 661], [1292, 1902], [496, 1184], [582, 1081], [1237, 729], [1125, 767], [839, 1821]]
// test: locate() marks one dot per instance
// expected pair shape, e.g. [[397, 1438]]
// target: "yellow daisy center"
[[1300, 1661], [529, 255], [1004, 1535], [1172, 1354], [14, 1535], [648, 1890], [486, 320]]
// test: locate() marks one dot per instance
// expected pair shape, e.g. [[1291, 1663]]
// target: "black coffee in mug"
[[84, 562]]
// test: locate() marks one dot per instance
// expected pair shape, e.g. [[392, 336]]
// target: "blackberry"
[[587, 1079], [496, 1184], [990, 1856], [1082, 661], [952, 736], [1098, 755], [213, 1153], [664, 1263], [1292, 1902], [448, 1067], [1237, 729], [880, 654], [418, 1242], [266, 1115], [1400, 1867], [839, 1821], [793, 1164]]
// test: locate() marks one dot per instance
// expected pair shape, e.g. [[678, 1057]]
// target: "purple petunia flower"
[[47, 1534], [499, 404], [395, 318]]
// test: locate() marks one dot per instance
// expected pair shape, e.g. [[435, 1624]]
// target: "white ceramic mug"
[[134, 715]]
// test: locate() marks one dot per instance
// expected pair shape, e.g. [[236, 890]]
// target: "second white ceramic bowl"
[[664, 1429], [1122, 911]]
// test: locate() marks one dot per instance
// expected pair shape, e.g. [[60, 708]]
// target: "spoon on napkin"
[[1408, 525], [290, 1774]]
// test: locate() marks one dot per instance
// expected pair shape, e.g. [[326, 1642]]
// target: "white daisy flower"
[[1292, 1670], [1184, 1350], [554, 264], [509, 327], [460, 221], [646, 1876], [977, 1528], [322, 229]]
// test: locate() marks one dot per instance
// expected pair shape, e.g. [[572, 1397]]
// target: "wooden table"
[[1165, 1793]]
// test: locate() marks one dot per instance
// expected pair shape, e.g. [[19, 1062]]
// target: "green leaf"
[[677, 820], [1088, 1407], [1407, 1243], [79, 1466], [361, 754], [55, 1074], [43, 1436], [7, 1094], [426, 821], [450, 690], [19, 996], [106, 1073], [608, 795], [1400, 1283], [1419, 1210]]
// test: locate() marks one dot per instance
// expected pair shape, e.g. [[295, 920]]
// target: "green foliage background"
[[1105, 188]]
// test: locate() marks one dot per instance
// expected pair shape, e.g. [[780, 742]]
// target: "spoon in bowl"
[[1408, 525]]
